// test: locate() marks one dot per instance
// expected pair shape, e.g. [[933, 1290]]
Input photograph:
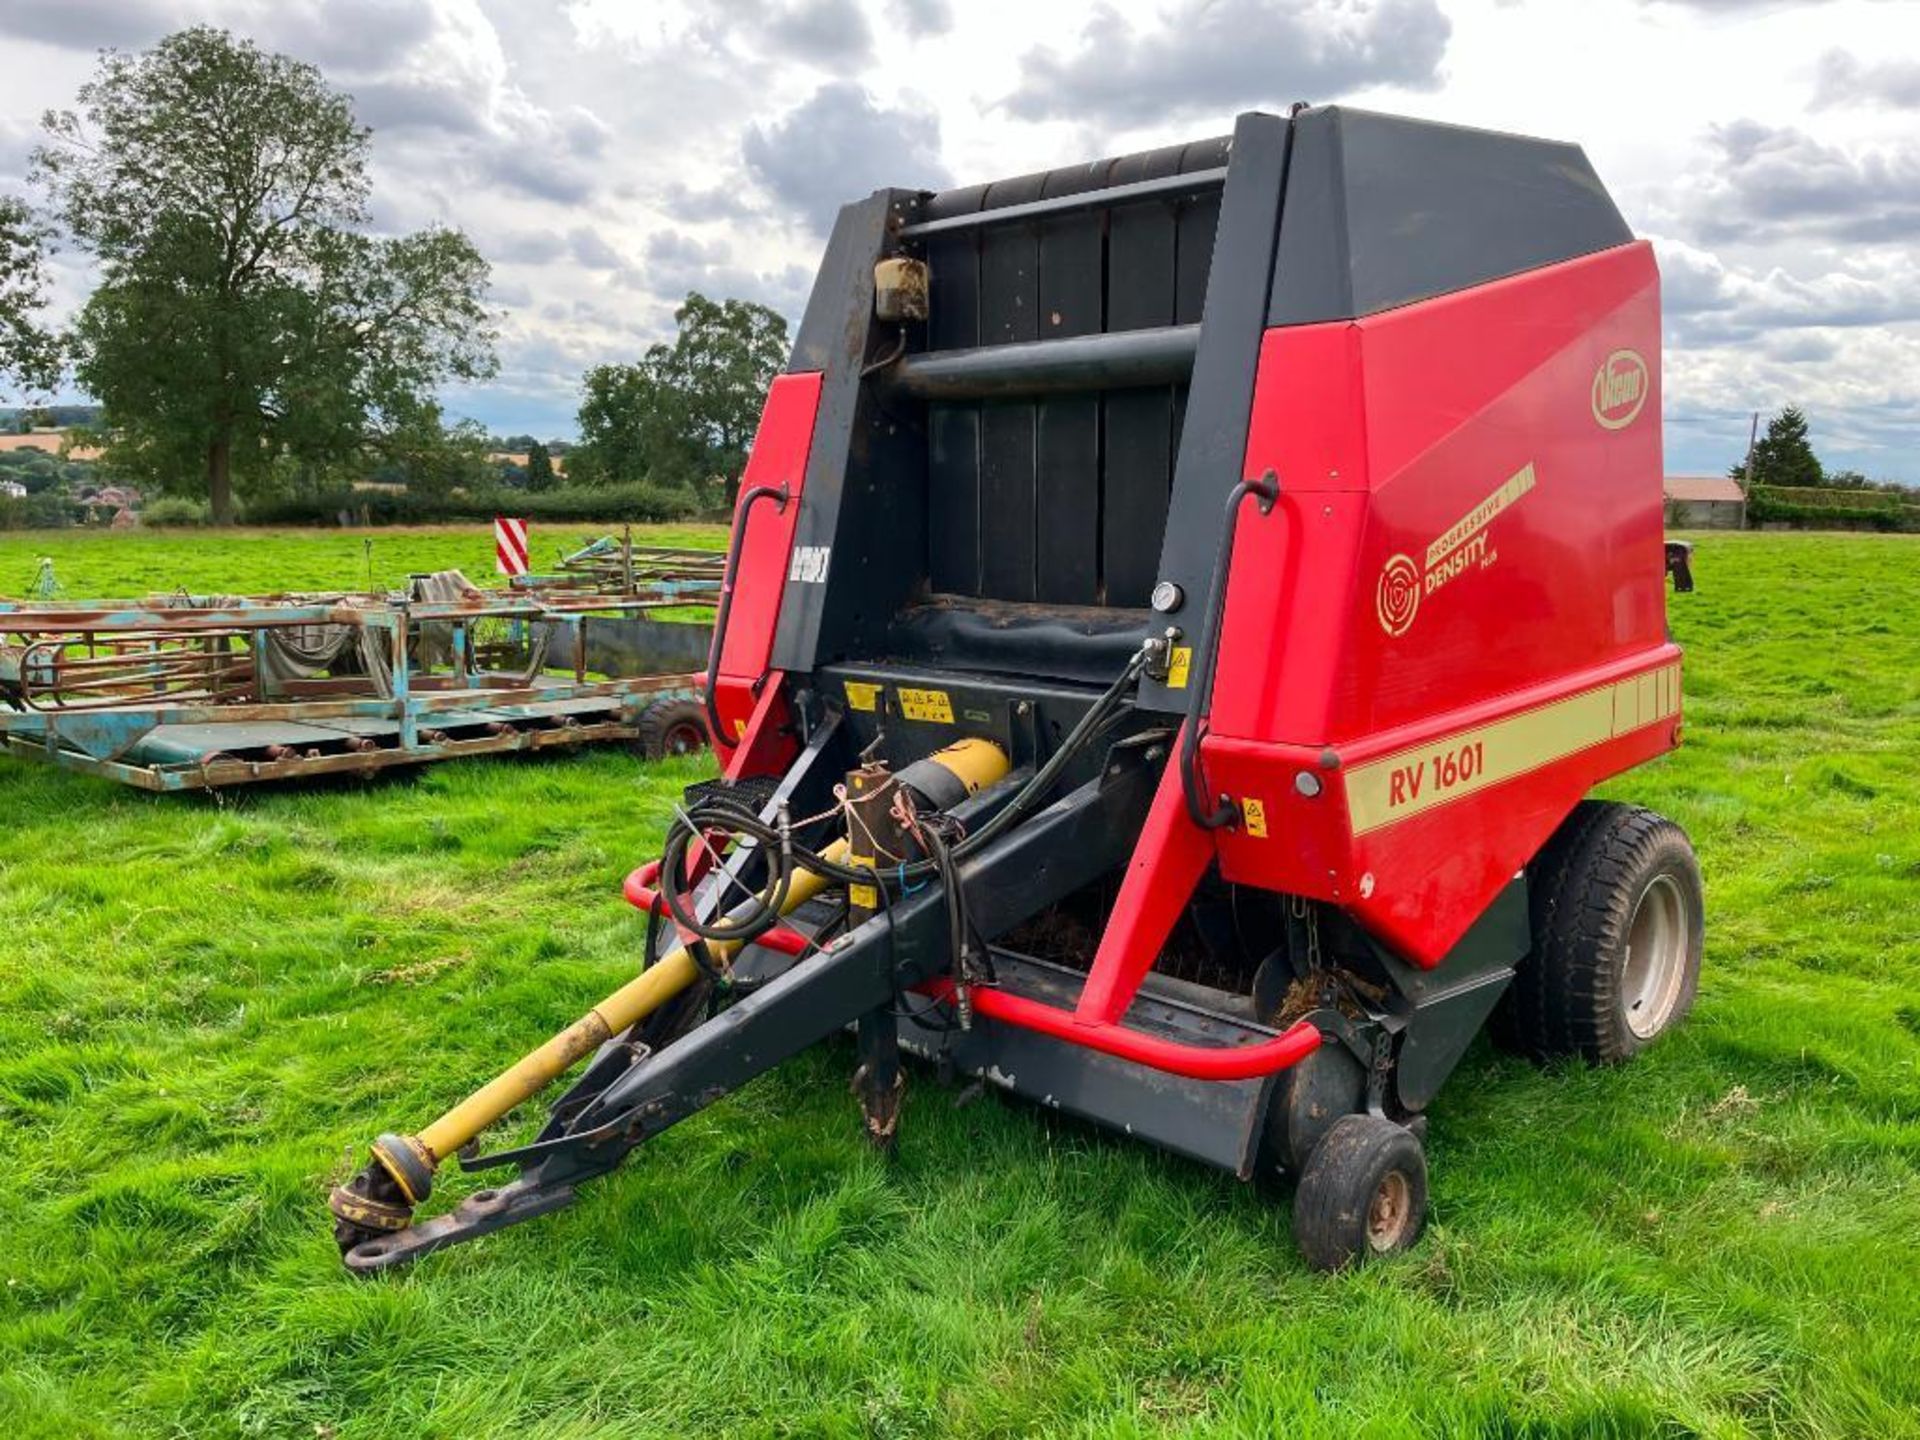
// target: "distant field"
[[96, 565], [208, 1006]]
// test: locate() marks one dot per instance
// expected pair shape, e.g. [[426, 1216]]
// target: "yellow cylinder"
[[974, 762]]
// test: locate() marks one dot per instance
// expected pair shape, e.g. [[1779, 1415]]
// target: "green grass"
[[93, 566], [208, 1006]]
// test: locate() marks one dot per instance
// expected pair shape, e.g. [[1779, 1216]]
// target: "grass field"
[[91, 566], [208, 1006]]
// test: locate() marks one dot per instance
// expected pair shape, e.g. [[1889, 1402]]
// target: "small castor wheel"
[[671, 726], [1363, 1193]]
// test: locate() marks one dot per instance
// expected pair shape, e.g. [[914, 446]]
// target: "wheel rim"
[[683, 740], [1656, 968], [1390, 1212]]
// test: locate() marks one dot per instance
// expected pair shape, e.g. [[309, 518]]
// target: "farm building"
[[1705, 502]]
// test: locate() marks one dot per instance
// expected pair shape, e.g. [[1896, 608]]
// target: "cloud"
[[1842, 79], [87, 24], [525, 247], [589, 249], [329, 33], [1728, 7], [832, 33], [1842, 342], [1219, 55], [16, 146], [722, 202], [1765, 182], [1708, 301], [358, 36], [921, 18], [522, 167], [839, 146], [677, 263], [403, 105]]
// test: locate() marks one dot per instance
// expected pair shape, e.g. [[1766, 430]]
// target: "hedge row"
[[45, 511], [641, 503], [1763, 508]]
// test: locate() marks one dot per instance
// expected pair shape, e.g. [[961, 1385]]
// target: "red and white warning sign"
[[509, 545]]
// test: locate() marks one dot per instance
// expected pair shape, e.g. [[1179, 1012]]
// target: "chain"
[[1307, 914]]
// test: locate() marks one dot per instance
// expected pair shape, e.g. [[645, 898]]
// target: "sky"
[[610, 155]]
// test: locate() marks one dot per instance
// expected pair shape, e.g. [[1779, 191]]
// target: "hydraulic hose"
[[785, 856]]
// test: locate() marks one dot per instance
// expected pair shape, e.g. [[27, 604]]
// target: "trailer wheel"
[[671, 725], [1618, 929], [1363, 1193]]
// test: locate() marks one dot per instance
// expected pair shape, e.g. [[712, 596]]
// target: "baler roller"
[[1081, 364]]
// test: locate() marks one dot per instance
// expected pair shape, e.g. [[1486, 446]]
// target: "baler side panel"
[[1432, 409], [1467, 533], [1532, 530], [779, 457]]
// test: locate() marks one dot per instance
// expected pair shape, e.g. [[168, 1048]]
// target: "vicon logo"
[[1619, 389]]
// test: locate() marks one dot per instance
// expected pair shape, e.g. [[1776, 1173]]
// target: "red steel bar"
[[1196, 1062]]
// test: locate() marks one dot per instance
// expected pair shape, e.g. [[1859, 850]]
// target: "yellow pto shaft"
[[382, 1197], [532, 1073]]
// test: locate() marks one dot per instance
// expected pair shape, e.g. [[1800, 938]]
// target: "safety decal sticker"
[[1253, 814], [1179, 663], [863, 695], [930, 705]]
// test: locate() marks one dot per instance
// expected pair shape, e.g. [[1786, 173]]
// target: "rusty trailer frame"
[[181, 692]]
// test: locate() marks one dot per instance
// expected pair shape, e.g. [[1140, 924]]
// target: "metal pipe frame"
[[100, 733], [1170, 187]]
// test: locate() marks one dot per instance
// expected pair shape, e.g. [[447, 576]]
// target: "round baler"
[[1177, 609]]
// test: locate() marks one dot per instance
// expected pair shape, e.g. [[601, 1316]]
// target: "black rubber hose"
[[762, 912]]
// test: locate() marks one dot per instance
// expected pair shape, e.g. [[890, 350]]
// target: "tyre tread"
[[1565, 998]]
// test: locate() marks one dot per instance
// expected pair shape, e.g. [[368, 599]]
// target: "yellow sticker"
[[862, 695], [926, 705], [1254, 814], [863, 897], [739, 729], [1179, 661], [1412, 781]]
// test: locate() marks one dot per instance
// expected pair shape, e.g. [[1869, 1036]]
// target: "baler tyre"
[[1618, 929], [1363, 1193], [671, 726]]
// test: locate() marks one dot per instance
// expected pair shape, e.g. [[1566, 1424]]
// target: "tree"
[[1783, 455], [539, 467], [684, 415], [242, 316], [29, 356]]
